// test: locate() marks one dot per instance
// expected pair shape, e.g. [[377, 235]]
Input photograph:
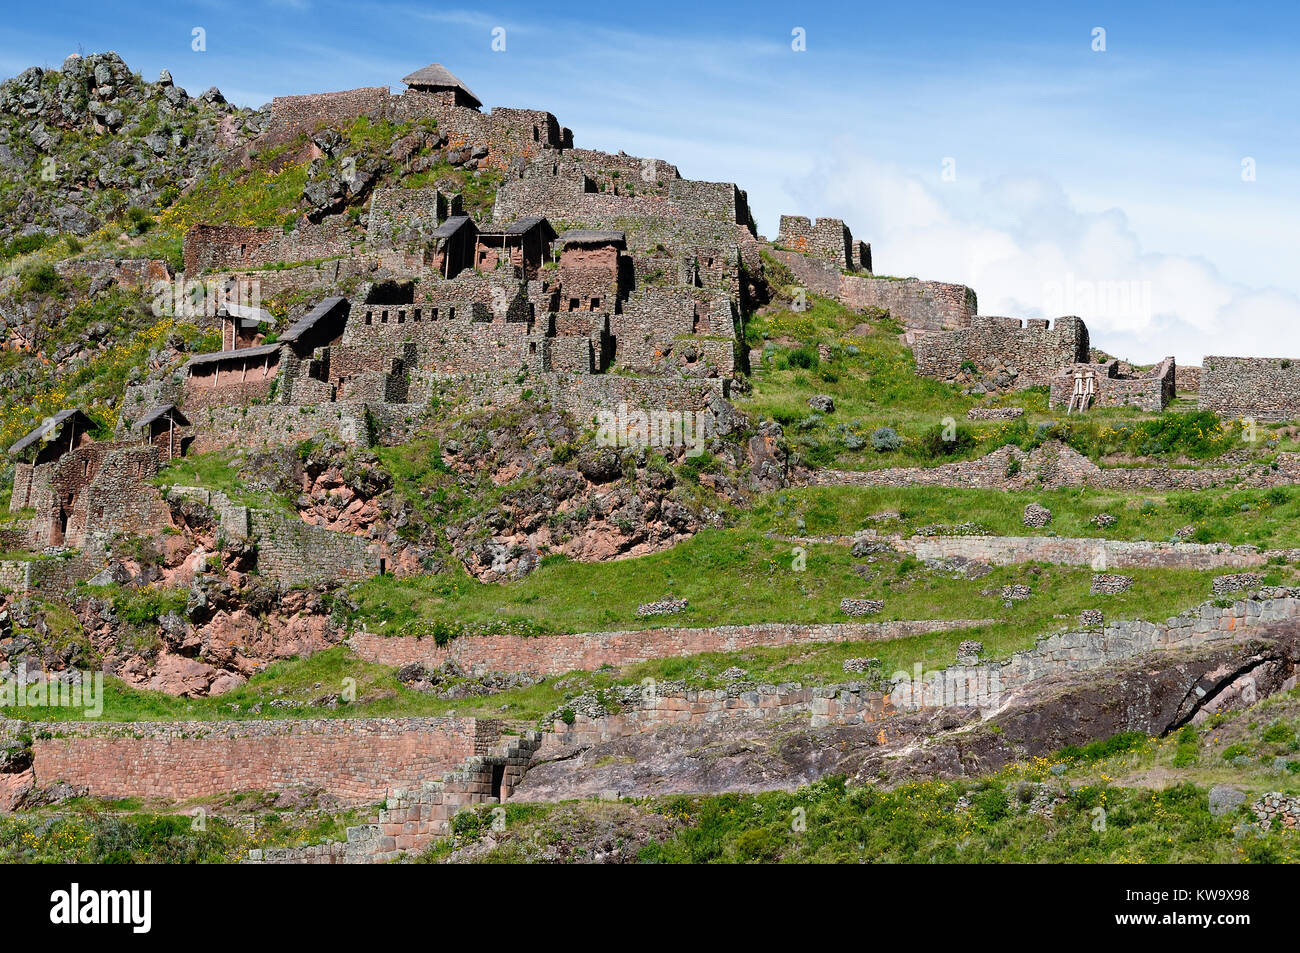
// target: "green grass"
[[91, 831], [918, 823], [1125, 799], [872, 377], [219, 471], [560, 597], [1265, 518], [831, 822], [739, 576]]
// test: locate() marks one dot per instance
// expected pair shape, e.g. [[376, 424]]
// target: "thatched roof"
[[593, 236], [451, 226], [322, 310], [436, 76], [163, 411], [240, 354], [50, 429]]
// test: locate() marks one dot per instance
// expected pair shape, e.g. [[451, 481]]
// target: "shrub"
[[803, 357], [886, 440], [1278, 731], [40, 279], [23, 245], [138, 220], [935, 442]]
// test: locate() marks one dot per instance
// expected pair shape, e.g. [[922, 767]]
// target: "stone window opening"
[[85, 468], [451, 313], [574, 304], [369, 315], [595, 304]]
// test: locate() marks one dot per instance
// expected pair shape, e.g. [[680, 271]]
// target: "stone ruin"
[[1081, 386]]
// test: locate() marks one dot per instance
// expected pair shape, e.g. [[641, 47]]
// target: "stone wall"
[[357, 760], [50, 577], [226, 247], [1262, 387], [289, 550], [124, 272], [1054, 466], [411, 819], [1082, 551], [291, 115], [1036, 348], [399, 217], [275, 425], [850, 704], [923, 305], [984, 685], [828, 239], [557, 654], [1149, 390], [1187, 379]]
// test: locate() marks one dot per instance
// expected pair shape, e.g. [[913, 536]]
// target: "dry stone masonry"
[[1110, 584], [861, 607]]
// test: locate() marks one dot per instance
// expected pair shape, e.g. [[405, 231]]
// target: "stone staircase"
[[410, 821]]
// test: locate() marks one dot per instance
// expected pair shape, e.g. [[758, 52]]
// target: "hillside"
[[383, 419]]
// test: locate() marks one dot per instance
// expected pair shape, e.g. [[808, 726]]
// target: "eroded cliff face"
[[1153, 694]]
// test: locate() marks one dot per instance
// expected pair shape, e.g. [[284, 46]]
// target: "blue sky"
[[1074, 168]]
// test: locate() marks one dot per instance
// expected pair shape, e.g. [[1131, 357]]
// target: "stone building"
[[828, 239], [454, 242], [592, 268], [241, 325], [1261, 387], [436, 80], [1113, 385], [1037, 349], [524, 245], [167, 429], [62, 433], [93, 490]]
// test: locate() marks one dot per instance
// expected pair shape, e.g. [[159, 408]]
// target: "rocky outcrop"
[[92, 138], [1150, 694], [562, 496]]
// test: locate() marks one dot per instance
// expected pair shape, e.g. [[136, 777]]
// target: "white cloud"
[[1028, 251]]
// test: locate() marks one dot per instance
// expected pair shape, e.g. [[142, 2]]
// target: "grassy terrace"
[[1265, 518], [872, 376], [128, 831], [756, 585], [219, 471], [1146, 820], [1152, 792]]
